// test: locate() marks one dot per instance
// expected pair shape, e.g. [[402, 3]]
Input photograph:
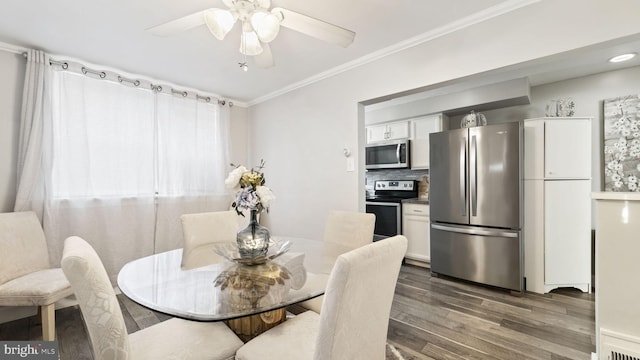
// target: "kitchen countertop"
[[416, 201], [611, 195]]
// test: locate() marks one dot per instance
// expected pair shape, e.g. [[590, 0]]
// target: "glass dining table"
[[249, 298]]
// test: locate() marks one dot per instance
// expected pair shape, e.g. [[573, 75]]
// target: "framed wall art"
[[622, 143]]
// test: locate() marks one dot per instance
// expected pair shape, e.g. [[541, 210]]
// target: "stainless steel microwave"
[[387, 155]]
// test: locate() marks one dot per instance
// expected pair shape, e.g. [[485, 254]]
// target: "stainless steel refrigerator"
[[475, 196]]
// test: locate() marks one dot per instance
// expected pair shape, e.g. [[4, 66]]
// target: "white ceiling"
[[112, 33]]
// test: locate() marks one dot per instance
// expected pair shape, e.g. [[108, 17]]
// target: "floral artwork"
[[251, 194], [622, 143]]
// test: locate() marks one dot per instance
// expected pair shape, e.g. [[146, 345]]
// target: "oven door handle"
[[382, 203]]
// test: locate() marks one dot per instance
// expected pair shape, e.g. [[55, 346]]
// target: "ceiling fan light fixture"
[[219, 22], [266, 25]]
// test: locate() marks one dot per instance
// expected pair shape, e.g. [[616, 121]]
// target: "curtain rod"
[[64, 65]]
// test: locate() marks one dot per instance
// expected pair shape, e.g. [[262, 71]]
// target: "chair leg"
[[48, 313]]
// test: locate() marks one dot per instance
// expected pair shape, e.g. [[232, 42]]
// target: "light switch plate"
[[351, 164]]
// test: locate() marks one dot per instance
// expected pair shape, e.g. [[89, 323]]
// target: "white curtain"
[[101, 185], [120, 164], [192, 135], [30, 192]]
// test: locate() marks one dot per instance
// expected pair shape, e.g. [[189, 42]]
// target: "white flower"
[[265, 195], [617, 184], [638, 167], [233, 180], [633, 186], [246, 200], [632, 179], [616, 177]]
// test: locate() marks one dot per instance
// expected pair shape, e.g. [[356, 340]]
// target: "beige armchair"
[[354, 319], [202, 231], [26, 276], [171, 339], [353, 229]]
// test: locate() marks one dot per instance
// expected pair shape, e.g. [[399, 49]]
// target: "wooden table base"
[[249, 327]]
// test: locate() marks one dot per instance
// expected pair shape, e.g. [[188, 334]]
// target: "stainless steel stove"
[[386, 204]]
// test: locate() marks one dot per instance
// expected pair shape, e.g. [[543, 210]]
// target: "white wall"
[[301, 134], [12, 67], [238, 153]]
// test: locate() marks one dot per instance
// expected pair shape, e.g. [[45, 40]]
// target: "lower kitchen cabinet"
[[415, 226]]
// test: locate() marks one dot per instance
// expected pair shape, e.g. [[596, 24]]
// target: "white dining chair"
[[353, 229], [26, 275], [202, 231], [171, 339], [354, 319], [350, 228]]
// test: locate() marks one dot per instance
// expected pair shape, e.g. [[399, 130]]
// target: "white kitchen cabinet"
[[557, 148], [557, 203], [420, 129], [388, 131], [415, 226]]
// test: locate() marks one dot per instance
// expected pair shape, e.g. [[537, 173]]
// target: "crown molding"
[[12, 48], [462, 23]]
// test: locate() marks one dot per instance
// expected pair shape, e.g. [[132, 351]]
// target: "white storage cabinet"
[[415, 226], [388, 131], [420, 129], [557, 203]]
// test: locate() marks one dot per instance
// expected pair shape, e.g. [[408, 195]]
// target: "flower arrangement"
[[251, 194]]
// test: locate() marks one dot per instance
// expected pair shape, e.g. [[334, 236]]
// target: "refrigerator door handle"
[[463, 175], [473, 176], [471, 231]]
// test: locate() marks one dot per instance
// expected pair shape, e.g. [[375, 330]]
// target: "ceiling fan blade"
[[264, 60], [178, 25], [318, 29]]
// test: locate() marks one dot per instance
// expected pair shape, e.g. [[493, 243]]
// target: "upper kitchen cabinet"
[[388, 131], [420, 129], [565, 141]]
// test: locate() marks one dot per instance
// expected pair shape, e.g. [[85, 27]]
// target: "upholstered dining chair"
[[26, 275], [355, 313], [171, 339], [353, 229], [349, 228], [202, 231]]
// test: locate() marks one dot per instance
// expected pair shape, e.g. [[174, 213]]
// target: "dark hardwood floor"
[[441, 318], [431, 318]]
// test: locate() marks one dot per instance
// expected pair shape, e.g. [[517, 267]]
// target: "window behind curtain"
[[112, 140], [124, 163]]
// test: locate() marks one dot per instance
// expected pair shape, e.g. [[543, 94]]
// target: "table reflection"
[[244, 287]]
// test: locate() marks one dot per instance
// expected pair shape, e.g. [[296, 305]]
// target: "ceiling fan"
[[259, 27]]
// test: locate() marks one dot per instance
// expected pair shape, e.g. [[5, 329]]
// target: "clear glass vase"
[[253, 240]]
